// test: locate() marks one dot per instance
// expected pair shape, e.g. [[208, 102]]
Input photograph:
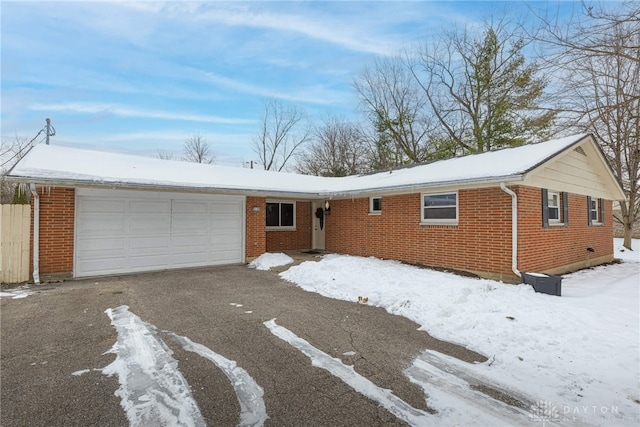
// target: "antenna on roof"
[[51, 131]]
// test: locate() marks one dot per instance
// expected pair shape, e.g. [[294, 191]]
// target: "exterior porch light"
[[327, 208]]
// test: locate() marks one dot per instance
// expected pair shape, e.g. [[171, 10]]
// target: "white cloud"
[[121, 111], [335, 31]]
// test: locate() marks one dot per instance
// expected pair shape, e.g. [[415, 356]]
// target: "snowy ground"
[[573, 359], [270, 260], [570, 360]]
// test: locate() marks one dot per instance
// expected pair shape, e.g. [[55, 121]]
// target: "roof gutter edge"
[[259, 192], [174, 188], [408, 187]]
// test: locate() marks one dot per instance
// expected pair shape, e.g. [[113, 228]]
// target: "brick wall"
[[57, 216], [558, 249], [479, 243], [255, 223], [291, 240], [475, 244]]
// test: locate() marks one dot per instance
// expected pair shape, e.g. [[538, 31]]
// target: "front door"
[[319, 224]]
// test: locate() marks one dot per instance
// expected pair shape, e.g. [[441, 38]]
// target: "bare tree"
[[338, 148], [481, 89], [11, 151], [196, 149], [282, 132], [598, 56], [164, 155], [396, 107]]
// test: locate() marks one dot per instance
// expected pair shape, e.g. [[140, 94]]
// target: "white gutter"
[[310, 194], [514, 228], [420, 186], [36, 234]]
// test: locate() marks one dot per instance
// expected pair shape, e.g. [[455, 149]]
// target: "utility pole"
[[51, 131]]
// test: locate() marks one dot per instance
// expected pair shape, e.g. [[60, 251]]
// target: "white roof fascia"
[[424, 186], [156, 187]]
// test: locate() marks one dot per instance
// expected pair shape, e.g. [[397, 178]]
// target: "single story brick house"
[[543, 207]]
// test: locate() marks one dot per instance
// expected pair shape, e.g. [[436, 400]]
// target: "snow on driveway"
[[578, 354], [17, 293], [346, 373], [153, 391], [249, 393]]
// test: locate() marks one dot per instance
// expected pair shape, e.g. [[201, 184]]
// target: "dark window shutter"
[[565, 208], [545, 208], [601, 207], [589, 210]]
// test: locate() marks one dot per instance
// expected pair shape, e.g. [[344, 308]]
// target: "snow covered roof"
[[56, 165]]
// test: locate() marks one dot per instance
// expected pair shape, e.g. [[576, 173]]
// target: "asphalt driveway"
[[63, 329]]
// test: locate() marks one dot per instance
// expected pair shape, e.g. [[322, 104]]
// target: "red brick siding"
[[255, 223], [291, 240], [57, 218], [541, 249], [480, 242]]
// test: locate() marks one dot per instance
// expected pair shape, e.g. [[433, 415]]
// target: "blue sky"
[[141, 76]]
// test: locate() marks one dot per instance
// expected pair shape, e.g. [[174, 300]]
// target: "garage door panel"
[[193, 223], [224, 257], [197, 243], [227, 223], [101, 225], [103, 265], [190, 207], [153, 224], [158, 243], [150, 206], [188, 258], [149, 262], [129, 231], [93, 205], [108, 244], [227, 208]]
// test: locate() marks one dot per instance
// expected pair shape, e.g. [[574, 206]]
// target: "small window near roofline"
[[375, 205]]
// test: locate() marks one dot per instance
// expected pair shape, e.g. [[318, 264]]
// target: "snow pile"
[[577, 351], [16, 293], [270, 260]]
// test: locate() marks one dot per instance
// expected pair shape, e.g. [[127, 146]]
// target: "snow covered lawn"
[[577, 355]]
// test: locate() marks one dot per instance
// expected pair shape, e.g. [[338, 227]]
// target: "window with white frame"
[[596, 210], [280, 215], [553, 206], [375, 205], [440, 208]]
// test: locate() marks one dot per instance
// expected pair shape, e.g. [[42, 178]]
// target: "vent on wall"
[[580, 150]]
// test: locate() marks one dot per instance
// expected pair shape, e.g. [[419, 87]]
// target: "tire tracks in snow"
[[153, 391]]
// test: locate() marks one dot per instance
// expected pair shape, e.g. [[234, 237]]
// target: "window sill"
[[280, 229], [557, 224], [375, 213], [439, 223]]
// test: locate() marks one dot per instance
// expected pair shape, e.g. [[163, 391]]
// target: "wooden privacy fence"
[[15, 222]]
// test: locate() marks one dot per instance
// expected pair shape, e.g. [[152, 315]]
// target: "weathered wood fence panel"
[[15, 222]]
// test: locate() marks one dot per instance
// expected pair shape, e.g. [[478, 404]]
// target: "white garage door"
[[120, 231]]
